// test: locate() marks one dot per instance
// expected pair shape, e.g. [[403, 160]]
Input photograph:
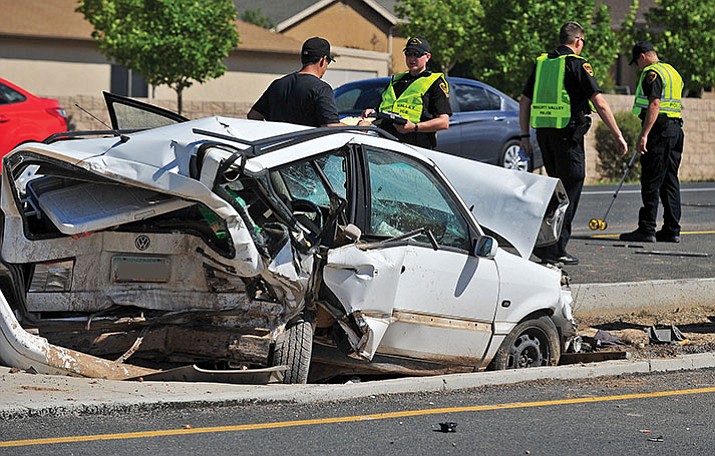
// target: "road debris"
[[655, 439], [448, 426], [661, 334], [673, 253]]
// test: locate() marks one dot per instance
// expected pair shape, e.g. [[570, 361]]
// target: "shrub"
[[611, 164]]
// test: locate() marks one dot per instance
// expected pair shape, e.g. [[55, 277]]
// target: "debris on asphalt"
[[646, 431], [662, 334], [448, 426], [673, 253], [655, 439], [629, 246]]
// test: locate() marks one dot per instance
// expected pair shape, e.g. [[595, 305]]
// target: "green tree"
[[528, 28], [682, 33], [168, 42], [256, 17], [452, 27]]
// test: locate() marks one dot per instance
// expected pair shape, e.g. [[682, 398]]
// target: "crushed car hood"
[[514, 204]]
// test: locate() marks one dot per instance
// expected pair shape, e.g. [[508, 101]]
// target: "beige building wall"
[[42, 67], [698, 161]]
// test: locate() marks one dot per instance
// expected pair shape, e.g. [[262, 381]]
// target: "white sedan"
[[219, 246]]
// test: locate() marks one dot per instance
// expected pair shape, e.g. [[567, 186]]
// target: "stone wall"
[[699, 117], [699, 127]]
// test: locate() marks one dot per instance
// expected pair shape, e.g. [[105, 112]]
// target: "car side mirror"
[[486, 247]]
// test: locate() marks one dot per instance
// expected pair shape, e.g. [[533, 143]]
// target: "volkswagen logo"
[[142, 242]]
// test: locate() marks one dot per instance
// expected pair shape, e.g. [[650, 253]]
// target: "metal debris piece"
[[629, 246], [448, 426], [673, 253], [665, 334], [655, 439]]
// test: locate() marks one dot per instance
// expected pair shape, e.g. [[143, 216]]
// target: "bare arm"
[[604, 111], [441, 122], [524, 119], [650, 117]]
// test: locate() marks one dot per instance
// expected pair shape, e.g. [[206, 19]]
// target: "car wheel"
[[511, 159], [294, 349], [532, 343]]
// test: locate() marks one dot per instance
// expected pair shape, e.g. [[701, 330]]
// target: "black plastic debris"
[[655, 439], [448, 426], [665, 334]]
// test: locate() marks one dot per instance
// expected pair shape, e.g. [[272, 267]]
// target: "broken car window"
[[405, 196]]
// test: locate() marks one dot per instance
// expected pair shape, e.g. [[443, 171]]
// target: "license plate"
[[140, 269]]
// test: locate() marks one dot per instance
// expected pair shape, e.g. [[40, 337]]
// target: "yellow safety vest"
[[671, 95], [551, 106], [409, 105]]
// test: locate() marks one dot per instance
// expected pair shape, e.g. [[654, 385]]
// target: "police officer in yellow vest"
[[420, 96], [660, 144], [555, 102]]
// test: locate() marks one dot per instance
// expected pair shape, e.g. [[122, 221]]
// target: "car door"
[[482, 124], [424, 302]]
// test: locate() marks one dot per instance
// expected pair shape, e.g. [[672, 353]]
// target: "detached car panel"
[[234, 245]]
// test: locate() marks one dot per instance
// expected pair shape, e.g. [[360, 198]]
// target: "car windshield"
[[353, 100]]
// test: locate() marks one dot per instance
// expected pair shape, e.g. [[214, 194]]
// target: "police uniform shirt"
[[579, 82], [653, 88], [435, 102]]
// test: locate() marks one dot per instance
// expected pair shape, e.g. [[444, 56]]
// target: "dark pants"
[[659, 179], [563, 153]]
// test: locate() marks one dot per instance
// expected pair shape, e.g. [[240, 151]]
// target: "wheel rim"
[[530, 349], [512, 159]]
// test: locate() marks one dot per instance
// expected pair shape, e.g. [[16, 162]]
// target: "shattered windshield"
[[405, 196]]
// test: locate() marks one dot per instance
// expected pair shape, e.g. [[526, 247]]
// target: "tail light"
[[52, 276], [58, 113]]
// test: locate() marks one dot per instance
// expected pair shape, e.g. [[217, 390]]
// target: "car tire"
[[511, 159], [532, 343], [294, 348]]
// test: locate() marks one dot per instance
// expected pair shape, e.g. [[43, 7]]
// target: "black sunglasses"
[[583, 40], [414, 54]]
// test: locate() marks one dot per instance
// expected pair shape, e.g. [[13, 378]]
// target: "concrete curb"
[[25, 395], [609, 298]]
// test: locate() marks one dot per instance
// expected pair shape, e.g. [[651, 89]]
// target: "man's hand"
[[526, 146], [369, 112], [642, 144]]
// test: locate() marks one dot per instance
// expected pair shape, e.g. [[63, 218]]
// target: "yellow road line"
[[615, 235], [350, 419]]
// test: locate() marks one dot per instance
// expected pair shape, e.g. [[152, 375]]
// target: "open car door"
[[129, 114]]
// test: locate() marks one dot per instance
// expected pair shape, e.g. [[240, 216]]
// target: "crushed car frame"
[[178, 249]]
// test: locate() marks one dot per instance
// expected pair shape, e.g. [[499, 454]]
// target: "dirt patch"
[[697, 325]]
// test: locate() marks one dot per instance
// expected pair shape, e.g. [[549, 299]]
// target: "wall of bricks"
[[699, 118], [699, 150]]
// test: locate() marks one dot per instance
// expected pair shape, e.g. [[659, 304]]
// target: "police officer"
[[660, 145], [556, 103], [420, 96]]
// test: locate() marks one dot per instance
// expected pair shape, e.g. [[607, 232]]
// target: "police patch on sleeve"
[[444, 88], [587, 67], [650, 77]]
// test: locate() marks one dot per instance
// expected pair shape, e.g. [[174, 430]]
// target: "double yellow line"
[[350, 419]]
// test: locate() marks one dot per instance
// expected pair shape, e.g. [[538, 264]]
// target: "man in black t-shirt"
[[418, 95], [303, 97]]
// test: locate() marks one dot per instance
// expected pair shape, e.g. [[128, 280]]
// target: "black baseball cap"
[[641, 47], [417, 43], [316, 47]]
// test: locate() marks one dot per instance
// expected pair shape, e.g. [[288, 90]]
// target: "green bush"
[[611, 164]]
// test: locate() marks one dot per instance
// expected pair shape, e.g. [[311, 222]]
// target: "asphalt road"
[[645, 414], [605, 259]]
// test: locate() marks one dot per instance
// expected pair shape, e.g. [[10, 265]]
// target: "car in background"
[[25, 117], [484, 125]]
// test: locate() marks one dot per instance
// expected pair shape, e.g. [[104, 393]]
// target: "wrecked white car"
[[245, 247]]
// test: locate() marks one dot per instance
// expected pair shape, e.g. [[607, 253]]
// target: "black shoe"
[[665, 236], [564, 259], [637, 236]]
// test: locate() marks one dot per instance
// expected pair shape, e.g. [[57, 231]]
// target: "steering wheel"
[[308, 214]]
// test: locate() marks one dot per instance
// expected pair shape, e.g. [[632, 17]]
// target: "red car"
[[25, 117]]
